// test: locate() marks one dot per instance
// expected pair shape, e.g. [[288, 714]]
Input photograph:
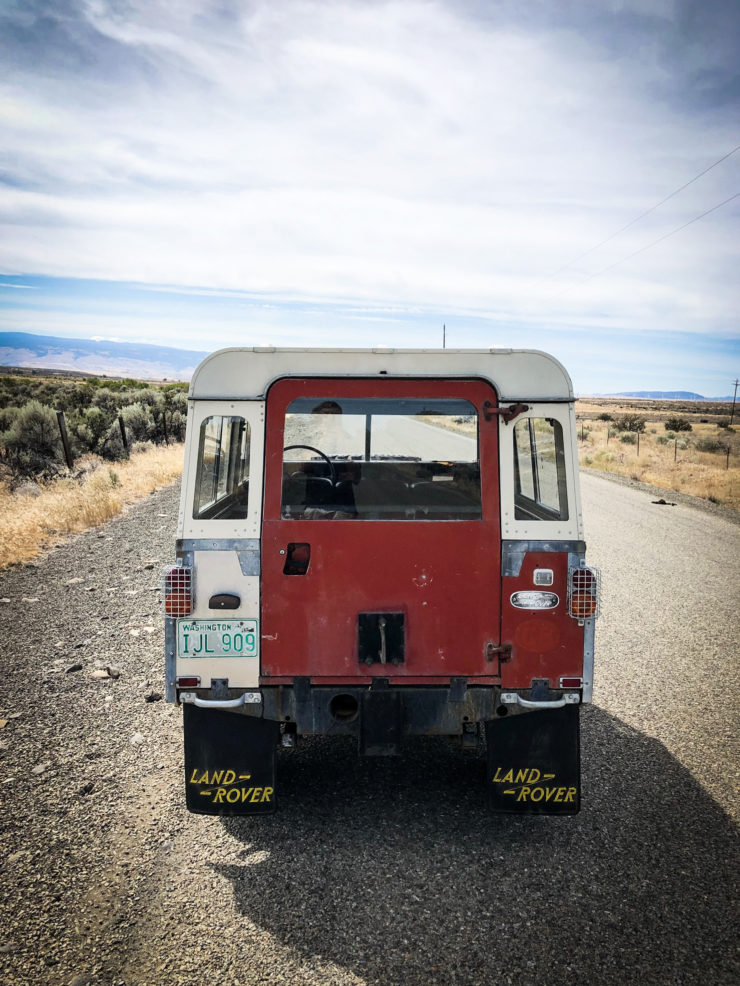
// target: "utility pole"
[[444, 339], [732, 416]]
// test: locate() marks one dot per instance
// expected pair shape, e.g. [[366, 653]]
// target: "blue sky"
[[202, 174]]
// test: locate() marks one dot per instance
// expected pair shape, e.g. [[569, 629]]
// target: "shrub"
[[139, 422], [723, 423], [663, 439], [710, 445], [91, 428], [677, 424], [8, 416], [630, 422], [106, 400], [605, 417], [138, 447], [628, 439], [32, 444], [111, 445]]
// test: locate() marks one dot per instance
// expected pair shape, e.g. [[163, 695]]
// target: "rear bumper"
[[316, 710]]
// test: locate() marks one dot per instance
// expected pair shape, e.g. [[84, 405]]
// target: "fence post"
[[727, 466], [65, 439], [122, 426], [675, 449], [638, 444]]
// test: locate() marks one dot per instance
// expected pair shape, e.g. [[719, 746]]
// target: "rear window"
[[222, 480], [381, 459], [539, 470]]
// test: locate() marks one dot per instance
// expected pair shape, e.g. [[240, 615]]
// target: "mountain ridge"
[[148, 361], [97, 357], [663, 395]]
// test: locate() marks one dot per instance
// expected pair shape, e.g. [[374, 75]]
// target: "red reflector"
[[570, 682], [188, 682], [583, 578]]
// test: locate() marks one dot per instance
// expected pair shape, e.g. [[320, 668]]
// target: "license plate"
[[217, 638]]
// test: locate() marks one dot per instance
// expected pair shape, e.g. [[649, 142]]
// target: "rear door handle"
[[297, 558]]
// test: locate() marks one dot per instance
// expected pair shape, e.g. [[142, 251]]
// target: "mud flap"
[[534, 762], [381, 724], [229, 762]]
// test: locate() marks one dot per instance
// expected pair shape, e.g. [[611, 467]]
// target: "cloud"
[[430, 156]]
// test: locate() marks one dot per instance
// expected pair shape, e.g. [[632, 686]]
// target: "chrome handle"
[[248, 698], [513, 698]]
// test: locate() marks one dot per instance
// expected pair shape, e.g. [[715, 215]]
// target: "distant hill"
[[662, 395], [666, 395], [98, 357]]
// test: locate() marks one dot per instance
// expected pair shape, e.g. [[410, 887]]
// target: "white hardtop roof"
[[246, 374]]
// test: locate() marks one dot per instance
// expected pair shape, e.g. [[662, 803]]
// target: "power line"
[[660, 239], [638, 218]]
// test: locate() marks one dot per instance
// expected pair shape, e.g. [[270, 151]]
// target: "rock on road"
[[372, 872]]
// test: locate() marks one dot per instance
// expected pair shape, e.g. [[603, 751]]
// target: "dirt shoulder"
[[670, 496]]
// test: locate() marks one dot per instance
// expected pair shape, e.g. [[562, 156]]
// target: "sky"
[[206, 173]]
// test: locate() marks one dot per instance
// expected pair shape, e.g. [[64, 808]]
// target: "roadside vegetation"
[[93, 411], [686, 446], [124, 440]]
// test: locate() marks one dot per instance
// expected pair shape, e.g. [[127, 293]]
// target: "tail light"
[[178, 591], [584, 593]]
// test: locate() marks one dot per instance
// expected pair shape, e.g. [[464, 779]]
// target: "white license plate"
[[217, 638]]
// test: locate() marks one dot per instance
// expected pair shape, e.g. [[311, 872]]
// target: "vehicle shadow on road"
[[396, 871]]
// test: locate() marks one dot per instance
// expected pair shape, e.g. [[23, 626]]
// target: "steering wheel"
[[322, 455]]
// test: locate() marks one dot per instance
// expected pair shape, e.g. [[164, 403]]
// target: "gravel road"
[[372, 872]]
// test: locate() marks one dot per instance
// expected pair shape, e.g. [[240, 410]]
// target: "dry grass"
[[671, 464], [675, 464], [30, 523]]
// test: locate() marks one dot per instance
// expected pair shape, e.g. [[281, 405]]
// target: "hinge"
[[507, 413]]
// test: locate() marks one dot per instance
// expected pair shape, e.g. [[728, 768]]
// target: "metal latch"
[[502, 652], [507, 413]]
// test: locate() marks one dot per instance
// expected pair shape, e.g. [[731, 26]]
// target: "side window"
[[381, 459], [222, 479], [540, 491]]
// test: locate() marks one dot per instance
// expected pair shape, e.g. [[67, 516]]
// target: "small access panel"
[[381, 638]]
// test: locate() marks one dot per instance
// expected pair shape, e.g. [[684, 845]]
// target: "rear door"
[[381, 535]]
